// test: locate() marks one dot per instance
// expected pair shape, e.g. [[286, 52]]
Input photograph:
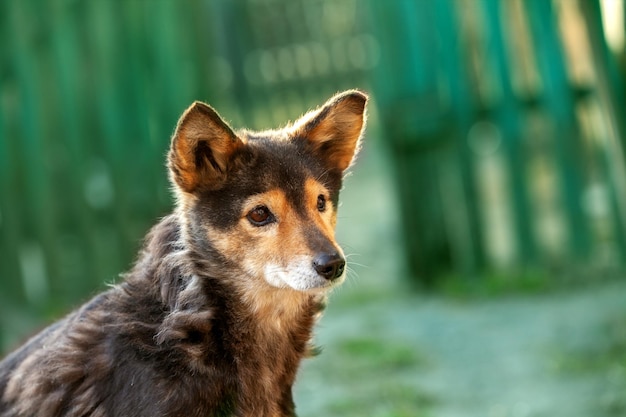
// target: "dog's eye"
[[321, 203], [260, 216]]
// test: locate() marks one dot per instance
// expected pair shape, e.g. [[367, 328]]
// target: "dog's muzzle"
[[329, 265]]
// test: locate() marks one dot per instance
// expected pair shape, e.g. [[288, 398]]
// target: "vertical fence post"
[[229, 43], [419, 124], [610, 89], [507, 115], [38, 251], [76, 216], [471, 256], [11, 288], [559, 102]]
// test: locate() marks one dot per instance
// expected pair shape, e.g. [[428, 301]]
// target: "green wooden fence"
[[90, 92], [504, 155], [507, 131]]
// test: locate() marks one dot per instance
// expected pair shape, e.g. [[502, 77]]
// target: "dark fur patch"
[[191, 331]]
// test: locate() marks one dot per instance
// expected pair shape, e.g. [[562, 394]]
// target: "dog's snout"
[[329, 266]]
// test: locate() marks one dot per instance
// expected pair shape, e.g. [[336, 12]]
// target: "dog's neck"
[[264, 330], [269, 335]]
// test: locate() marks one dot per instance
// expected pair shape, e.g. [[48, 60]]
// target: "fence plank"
[[507, 114], [611, 92], [558, 101]]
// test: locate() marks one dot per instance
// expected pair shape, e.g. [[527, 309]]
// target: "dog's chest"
[[267, 365]]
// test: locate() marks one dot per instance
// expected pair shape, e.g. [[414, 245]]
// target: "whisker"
[[351, 278], [350, 254], [360, 265], [350, 261]]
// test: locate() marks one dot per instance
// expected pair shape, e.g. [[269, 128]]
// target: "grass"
[[495, 284], [607, 358], [372, 376], [391, 400], [380, 375], [381, 354]]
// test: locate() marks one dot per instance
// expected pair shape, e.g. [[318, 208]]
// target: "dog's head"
[[263, 205]]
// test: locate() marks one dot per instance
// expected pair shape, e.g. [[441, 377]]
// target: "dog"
[[217, 312]]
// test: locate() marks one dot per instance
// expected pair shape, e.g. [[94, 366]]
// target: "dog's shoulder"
[[39, 378], [122, 351]]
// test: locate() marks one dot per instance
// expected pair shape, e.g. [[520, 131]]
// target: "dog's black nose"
[[330, 266]]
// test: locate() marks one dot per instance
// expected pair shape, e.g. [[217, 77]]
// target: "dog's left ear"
[[333, 132]]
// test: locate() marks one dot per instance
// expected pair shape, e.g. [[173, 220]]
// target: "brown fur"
[[217, 313]]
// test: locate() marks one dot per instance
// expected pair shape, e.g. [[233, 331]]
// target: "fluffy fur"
[[217, 313]]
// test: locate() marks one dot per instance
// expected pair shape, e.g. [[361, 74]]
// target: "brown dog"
[[217, 313]]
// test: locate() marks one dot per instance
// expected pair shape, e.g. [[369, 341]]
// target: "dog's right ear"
[[202, 147], [333, 132]]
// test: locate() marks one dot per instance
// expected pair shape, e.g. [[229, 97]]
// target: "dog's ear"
[[202, 147], [333, 132]]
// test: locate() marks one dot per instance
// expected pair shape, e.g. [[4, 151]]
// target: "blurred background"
[[485, 221]]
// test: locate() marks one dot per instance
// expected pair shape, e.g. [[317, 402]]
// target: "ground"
[[393, 352], [397, 355]]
